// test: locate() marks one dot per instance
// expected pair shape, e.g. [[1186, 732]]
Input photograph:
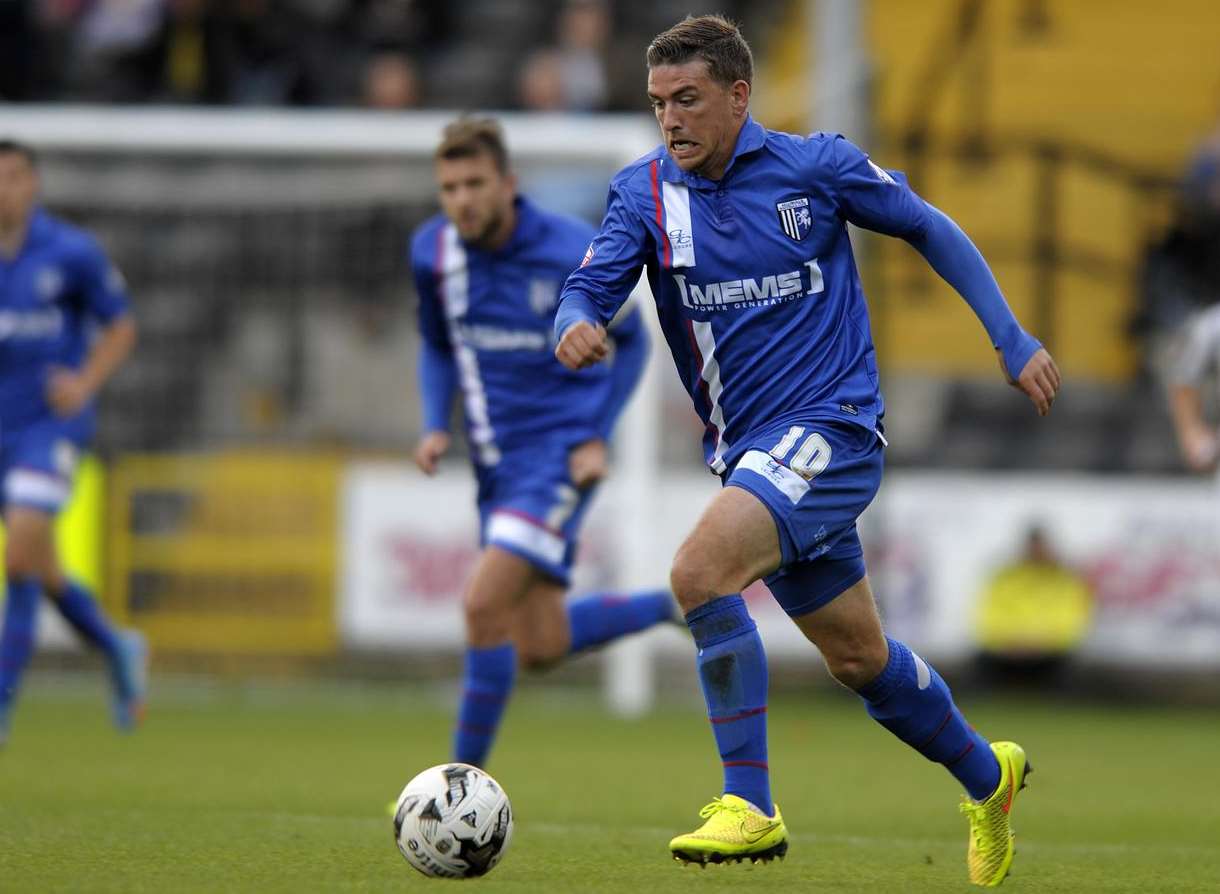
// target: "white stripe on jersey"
[[455, 292], [677, 223], [513, 530], [711, 374]]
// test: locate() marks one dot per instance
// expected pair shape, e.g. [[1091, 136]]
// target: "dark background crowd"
[[554, 55]]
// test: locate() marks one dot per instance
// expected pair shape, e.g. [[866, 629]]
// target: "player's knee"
[[537, 660], [855, 663], [689, 579], [487, 624], [22, 563]]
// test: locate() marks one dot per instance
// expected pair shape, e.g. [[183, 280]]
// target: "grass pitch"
[[283, 787]]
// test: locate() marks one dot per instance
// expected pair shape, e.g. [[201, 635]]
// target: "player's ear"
[[739, 97]]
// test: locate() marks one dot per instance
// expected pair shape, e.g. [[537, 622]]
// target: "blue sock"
[[486, 686], [911, 700], [599, 618], [17, 638], [733, 671], [82, 611]]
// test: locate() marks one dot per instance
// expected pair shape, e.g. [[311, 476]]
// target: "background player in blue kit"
[[488, 271], [56, 286], [743, 234]]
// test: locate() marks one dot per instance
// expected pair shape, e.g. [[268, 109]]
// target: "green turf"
[[283, 788]]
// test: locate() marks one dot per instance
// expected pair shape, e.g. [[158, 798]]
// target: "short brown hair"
[[16, 147], [469, 137], [714, 39]]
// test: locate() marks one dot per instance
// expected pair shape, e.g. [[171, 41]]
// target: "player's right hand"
[[1039, 380], [1200, 447], [583, 344], [432, 447]]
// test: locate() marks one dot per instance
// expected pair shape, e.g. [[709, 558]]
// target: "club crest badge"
[[795, 217]]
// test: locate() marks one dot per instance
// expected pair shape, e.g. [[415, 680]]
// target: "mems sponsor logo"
[[737, 294], [47, 323], [493, 338]]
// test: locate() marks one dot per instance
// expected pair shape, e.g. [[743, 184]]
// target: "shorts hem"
[[557, 573], [837, 589]]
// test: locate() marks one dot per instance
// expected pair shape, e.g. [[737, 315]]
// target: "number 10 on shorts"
[[811, 458]]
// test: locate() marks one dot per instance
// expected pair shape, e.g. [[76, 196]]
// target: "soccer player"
[[488, 272], [64, 330], [743, 232]]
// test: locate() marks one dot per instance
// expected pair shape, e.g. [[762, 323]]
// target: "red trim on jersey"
[[666, 257]]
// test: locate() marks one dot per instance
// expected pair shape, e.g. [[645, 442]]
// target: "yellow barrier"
[[78, 530], [232, 552]]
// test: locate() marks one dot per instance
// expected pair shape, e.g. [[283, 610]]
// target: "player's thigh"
[[496, 586], [29, 548], [734, 543], [847, 631], [540, 628]]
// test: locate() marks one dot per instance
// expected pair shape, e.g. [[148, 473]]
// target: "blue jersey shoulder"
[[424, 241]]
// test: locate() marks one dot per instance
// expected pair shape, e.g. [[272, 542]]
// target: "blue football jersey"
[[754, 278], [52, 292], [494, 311]]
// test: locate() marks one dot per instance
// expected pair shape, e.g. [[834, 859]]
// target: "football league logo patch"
[[795, 217]]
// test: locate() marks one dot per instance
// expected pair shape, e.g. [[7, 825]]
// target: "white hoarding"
[[1147, 547]]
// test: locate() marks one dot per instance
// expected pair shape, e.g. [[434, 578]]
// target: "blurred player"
[[488, 271], [743, 233], [56, 287], [1197, 358]]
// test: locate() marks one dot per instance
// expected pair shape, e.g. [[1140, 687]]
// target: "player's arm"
[[104, 294], [1196, 438], [597, 289], [881, 201], [437, 372]]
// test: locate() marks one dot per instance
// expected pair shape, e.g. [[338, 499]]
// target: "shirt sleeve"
[[873, 198], [437, 370], [610, 270], [101, 287]]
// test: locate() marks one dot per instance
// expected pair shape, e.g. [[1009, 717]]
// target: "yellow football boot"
[[991, 838], [734, 831]]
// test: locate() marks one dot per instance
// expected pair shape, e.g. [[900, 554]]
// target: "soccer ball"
[[453, 821]]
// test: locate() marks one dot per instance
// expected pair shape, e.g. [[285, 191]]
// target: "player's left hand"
[[1039, 380], [588, 463], [67, 391]]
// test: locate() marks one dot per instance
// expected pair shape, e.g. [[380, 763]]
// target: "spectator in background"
[[18, 40], [390, 82], [584, 26], [1180, 279], [1196, 358], [540, 82], [1033, 614]]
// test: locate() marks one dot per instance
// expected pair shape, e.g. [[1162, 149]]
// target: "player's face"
[[476, 195], [18, 190], [699, 117]]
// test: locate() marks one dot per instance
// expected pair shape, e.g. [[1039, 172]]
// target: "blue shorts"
[[816, 478], [530, 507], [37, 462]]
